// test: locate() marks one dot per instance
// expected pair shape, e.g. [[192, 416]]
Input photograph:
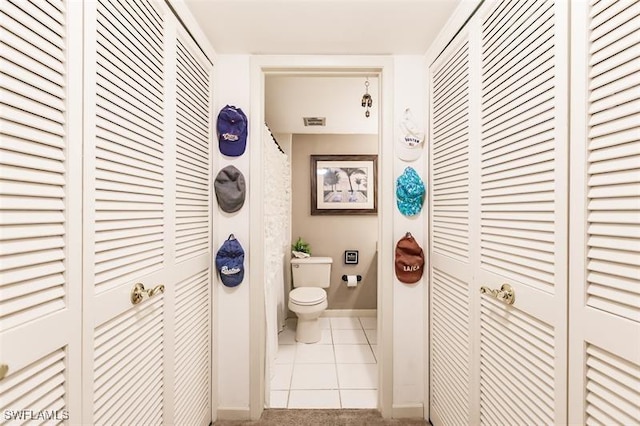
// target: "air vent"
[[314, 121]]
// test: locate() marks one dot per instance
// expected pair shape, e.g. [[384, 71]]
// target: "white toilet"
[[308, 299]]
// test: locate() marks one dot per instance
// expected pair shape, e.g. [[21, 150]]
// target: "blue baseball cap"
[[232, 131], [230, 262], [409, 192]]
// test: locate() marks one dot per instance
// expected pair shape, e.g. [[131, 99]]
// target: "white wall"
[[232, 85], [331, 235], [231, 312], [409, 300], [338, 98]]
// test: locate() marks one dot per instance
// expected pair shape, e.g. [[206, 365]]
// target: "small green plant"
[[301, 246]]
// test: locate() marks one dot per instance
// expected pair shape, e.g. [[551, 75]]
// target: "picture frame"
[[351, 257], [344, 184]]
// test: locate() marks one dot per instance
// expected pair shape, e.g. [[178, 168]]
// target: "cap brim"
[[407, 153], [233, 149], [409, 207], [232, 280]]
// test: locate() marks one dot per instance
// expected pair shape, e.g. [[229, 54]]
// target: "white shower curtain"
[[277, 216]]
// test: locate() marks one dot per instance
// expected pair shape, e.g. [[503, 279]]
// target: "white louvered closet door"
[[192, 331], [147, 218], [523, 211], [451, 268], [128, 234], [40, 193], [605, 233]]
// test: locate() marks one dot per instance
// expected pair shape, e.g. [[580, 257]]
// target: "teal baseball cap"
[[410, 192]]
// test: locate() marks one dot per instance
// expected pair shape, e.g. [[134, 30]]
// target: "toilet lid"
[[306, 296]]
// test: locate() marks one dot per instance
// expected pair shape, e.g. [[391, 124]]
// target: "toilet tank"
[[311, 272]]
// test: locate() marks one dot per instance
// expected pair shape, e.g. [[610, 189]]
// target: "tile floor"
[[340, 371]]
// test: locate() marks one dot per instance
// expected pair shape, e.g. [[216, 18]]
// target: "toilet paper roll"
[[352, 280]]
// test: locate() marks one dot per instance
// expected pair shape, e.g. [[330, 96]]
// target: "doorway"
[[318, 65], [340, 370]]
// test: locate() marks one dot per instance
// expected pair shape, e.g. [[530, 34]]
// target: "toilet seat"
[[307, 296]]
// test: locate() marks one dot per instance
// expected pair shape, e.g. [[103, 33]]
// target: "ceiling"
[[321, 27], [337, 98]]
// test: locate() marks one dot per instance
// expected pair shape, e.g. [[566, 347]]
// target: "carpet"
[[345, 417]]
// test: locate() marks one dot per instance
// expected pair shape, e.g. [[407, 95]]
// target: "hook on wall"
[[367, 100]]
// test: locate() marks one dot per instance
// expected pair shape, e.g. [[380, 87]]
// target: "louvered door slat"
[[29, 151], [37, 386], [508, 23], [24, 88], [533, 42], [112, 68], [192, 160], [129, 161], [612, 386], [146, 111], [451, 104], [192, 349], [188, 128], [21, 29], [139, 27], [450, 162], [129, 180], [450, 368], [29, 80], [150, 184], [32, 16], [38, 284], [117, 359], [194, 170], [134, 47], [115, 61], [193, 309], [450, 355], [619, 46], [118, 110], [528, 164], [192, 108], [192, 138], [197, 102], [146, 19], [520, 346], [53, 9], [195, 67], [529, 353], [495, 21], [614, 105], [128, 142], [189, 67], [605, 346], [450, 154]]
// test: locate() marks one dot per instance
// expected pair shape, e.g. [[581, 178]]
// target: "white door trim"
[[260, 66]]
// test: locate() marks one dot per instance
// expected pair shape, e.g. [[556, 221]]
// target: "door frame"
[[318, 64]]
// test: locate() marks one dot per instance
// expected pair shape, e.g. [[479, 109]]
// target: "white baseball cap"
[[411, 139]]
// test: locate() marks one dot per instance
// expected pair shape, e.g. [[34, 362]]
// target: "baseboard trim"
[[411, 411], [350, 313], [234, 413]]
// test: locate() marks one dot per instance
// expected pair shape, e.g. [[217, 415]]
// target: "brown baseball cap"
[[409, 260]]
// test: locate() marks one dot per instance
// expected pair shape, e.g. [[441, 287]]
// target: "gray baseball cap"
[[230, 189]]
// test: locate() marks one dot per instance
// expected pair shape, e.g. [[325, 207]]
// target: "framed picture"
[[351, 257], [343, 184]]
